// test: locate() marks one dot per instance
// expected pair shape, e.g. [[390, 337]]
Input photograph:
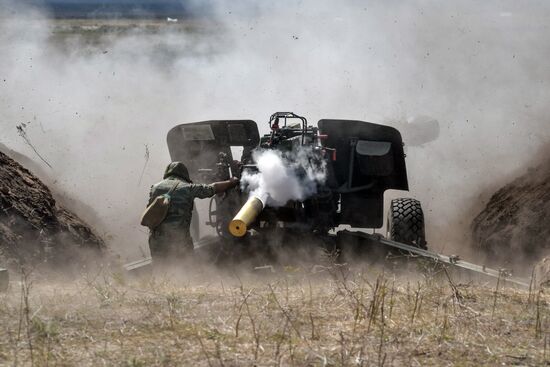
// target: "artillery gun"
[[360, 160]]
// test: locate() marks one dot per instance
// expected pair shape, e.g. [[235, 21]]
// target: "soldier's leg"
[[187, 245], [158, 246], [181, 245]]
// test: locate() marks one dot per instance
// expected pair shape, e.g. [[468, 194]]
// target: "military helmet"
[[177, 169]]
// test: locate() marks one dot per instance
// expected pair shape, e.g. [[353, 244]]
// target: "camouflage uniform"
[[172, 238]]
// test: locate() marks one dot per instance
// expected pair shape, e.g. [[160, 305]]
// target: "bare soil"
[[33, 228], [513, 228]]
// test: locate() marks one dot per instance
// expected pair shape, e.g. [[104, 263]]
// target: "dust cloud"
[[94, 103]]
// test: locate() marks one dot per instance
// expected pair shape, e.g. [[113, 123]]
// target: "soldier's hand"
[[223, 186], [234, 181]]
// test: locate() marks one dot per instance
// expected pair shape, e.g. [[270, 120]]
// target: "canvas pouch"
[[156, 212]]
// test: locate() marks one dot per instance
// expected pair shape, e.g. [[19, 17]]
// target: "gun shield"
[[246, 216]]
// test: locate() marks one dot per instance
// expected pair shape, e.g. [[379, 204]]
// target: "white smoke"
[[280, 179]]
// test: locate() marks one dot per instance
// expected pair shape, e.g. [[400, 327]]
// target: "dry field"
[[339, 316]]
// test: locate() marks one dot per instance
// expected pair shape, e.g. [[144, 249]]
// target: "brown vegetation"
[[336, 318]]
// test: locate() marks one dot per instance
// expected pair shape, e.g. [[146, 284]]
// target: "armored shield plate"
[[198, 144], [369, 161]]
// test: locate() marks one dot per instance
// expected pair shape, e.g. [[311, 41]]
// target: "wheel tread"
[[406, 222]]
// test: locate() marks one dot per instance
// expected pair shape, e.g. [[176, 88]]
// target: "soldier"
[[172, 237]]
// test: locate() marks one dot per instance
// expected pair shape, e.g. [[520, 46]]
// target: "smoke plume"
[[283, 178]]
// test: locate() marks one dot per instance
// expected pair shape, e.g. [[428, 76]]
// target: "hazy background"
[[94, 98]]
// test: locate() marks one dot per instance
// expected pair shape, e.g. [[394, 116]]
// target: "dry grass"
[[339, 317]]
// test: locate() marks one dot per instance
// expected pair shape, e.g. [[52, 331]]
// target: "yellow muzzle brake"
[[246, 216]]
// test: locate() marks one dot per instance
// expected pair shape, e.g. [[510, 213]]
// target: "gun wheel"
[[406, 222]]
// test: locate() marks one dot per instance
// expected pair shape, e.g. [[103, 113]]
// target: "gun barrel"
[[246, 216]]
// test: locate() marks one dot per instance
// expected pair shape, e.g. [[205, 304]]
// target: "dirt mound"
[[542, 273], [32, 226], [514, 226]]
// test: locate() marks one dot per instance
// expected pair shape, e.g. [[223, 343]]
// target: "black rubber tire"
[[406, 222]]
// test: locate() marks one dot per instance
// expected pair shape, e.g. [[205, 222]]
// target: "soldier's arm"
[[201, 191], [223, 186], [206, 191]]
